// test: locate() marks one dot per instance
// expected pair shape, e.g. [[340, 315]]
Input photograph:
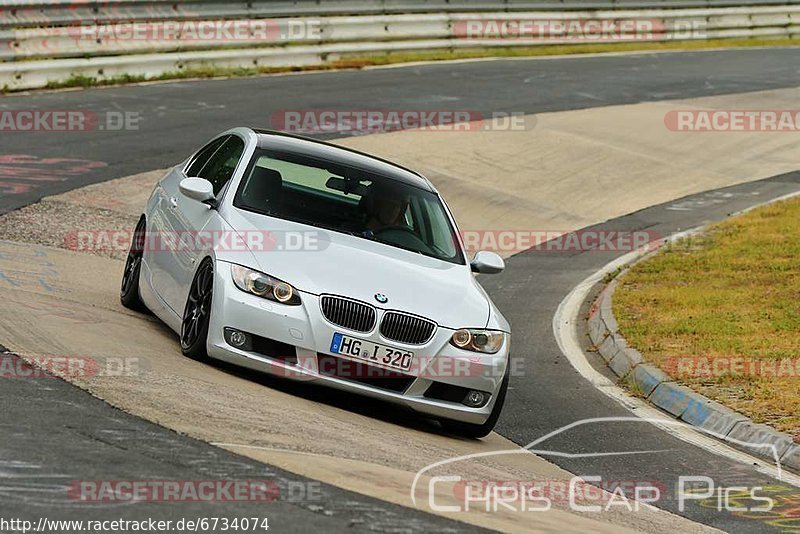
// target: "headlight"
[[488, 341], [261, 285]]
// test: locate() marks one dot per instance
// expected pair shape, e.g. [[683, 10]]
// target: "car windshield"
[[346, 199]]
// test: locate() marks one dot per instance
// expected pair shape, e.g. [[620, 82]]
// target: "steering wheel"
[[385, 229], [400, 235]]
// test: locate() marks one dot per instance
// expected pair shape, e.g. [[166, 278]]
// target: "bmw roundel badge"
[[380, 297]]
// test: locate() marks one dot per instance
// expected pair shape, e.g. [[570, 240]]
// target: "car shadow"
[[366, 406]]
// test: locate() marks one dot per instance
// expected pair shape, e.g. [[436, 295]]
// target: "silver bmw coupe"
[[307, 260]]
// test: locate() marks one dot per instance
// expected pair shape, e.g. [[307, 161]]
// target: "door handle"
[[173, 202]]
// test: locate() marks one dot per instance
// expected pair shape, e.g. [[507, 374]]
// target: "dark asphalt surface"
[[177, 117]]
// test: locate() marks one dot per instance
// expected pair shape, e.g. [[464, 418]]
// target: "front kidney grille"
[[347, 313], [405, 328]]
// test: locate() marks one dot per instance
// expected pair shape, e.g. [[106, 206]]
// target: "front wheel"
[[197, 313], [129, 290], [471, 430]]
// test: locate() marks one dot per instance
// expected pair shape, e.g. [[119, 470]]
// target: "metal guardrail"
[[49, 13], [32, 56], [170, 36]]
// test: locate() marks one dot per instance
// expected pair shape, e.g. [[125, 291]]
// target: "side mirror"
[[198, 189], [487, 263]]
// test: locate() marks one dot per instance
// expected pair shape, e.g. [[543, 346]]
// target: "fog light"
[[476, 399], [237, 339]]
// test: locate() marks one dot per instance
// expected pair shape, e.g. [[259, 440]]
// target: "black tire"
[[197, 313], [129, 289], [470, 430]]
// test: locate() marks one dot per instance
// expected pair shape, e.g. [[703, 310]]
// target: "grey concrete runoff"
[[680, 401]]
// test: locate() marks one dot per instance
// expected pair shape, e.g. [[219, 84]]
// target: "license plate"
[[371, 352]]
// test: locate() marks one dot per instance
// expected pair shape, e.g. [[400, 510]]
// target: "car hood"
[[359, 268]]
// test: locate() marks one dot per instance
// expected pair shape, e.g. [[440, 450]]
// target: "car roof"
[[305, 146]]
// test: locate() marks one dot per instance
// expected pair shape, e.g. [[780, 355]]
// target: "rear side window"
[[220, 167], [202, 157]]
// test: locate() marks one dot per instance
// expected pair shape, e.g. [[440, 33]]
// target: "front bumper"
[[305, 329]]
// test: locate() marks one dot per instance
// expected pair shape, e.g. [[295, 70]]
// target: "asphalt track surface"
[[178, 117]]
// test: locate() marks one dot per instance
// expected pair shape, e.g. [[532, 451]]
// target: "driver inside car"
[[386, 208]]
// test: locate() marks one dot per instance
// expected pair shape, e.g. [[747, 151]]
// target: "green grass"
[[88, 81], [568, 49], [732, 294], [355, 61]]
